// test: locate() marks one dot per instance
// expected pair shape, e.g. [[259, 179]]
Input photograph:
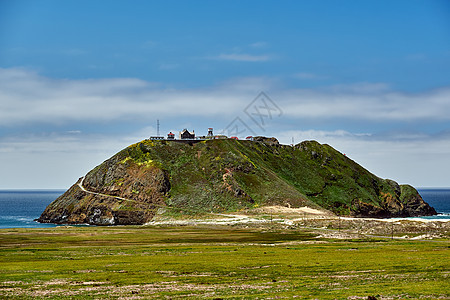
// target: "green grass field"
[[141, 263]]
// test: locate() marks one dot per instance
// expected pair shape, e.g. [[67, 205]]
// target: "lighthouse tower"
[[210, 132]]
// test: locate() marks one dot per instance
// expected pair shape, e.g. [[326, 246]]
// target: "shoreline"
[[415, 219], [260, 216], [321, 222], [328, 227]]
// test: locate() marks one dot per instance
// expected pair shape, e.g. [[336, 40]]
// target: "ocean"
[[19, 208], [439, 199]]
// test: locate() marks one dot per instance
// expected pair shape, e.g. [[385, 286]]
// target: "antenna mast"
[[157, 128]]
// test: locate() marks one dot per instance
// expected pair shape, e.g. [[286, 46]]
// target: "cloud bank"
[[373, 102], [27, 97]]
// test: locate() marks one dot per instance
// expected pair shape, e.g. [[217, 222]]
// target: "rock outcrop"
[[266, 140], [153, 177]]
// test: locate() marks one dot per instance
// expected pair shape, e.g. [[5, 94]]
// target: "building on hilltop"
[[156, 138], [209, 136], [186, 135]]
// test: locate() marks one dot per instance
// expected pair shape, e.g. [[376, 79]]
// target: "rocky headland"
[[154, 178]]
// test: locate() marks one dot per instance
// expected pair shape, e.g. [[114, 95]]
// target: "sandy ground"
[[323, 222], [268, 214], [292, 211]]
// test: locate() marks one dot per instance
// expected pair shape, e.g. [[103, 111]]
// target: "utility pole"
[[392, 230], [157, 128]]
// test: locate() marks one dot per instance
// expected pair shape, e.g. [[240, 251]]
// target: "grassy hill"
[[169, 177]]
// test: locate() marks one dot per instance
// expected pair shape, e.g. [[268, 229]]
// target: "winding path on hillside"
[[80, 185]]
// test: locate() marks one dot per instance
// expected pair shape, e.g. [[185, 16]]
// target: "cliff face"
[[228, 175]]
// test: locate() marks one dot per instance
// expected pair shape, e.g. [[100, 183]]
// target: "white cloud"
[[27, 98], [57, 160], [258, 45], [374, 102], [359, 88], [243, 57], [65, 142], [318, 135]]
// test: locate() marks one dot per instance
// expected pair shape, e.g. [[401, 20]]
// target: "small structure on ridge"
[[186, 135]]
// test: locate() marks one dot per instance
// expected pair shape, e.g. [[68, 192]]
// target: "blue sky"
[[80, 80]]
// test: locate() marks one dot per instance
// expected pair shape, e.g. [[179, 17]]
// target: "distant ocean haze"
[[19, 208]]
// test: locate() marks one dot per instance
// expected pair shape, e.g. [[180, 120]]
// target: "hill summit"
[[168, 177]]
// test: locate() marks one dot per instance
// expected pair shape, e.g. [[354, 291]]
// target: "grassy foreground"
[[139, 262]]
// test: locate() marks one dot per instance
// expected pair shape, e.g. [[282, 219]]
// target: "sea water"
[[19, 208], [439, 199]]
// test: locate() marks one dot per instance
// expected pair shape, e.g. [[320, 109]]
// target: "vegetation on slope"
[[229, 175]]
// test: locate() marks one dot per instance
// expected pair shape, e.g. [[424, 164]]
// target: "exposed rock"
[[266, 140], [413, 204]]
